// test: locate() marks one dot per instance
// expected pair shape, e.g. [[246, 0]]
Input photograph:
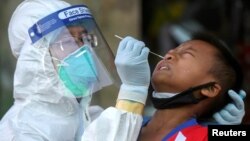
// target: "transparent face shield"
[[80, 55]]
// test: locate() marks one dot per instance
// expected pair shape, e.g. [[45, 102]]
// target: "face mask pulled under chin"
[[173, 100], [163, 95]]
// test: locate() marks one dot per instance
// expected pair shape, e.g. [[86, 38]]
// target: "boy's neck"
[[171, 117], [163, 121]]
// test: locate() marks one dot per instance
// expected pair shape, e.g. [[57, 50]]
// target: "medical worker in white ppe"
[[62, 59]]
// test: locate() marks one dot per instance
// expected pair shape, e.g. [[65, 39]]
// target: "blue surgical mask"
[[78, 72]]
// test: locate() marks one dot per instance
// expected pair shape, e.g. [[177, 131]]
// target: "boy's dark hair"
[[226, 69]]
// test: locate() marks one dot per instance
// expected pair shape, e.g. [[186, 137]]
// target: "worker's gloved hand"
[[232, 113], [133, 68]]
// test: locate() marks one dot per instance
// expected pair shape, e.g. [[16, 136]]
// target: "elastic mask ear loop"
[[60, 62], [61, 47]]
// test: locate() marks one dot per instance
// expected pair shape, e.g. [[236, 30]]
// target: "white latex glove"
[[232, 113], [132, 65]]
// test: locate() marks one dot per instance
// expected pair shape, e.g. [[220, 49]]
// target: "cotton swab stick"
[[119, 37]]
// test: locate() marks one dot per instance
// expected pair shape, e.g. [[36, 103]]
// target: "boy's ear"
[[211, 91]]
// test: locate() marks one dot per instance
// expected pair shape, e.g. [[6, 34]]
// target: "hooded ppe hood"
[[34, 65]]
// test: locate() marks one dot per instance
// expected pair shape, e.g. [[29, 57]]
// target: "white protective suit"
[[40, 112]]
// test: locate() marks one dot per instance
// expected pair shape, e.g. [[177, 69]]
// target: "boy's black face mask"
[[183, 98]]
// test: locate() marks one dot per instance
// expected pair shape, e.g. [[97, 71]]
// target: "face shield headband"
[[58, 19], [183, 98]]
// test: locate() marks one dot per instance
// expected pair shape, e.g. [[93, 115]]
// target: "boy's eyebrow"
[[191, 48], [186, 47]]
